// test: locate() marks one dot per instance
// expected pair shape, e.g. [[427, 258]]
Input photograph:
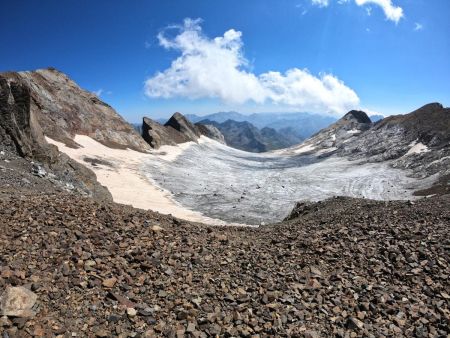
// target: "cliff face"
[[63, 110], [21, 134]]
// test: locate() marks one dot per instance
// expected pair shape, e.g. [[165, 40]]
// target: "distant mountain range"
[[302, 125], [259, 132], [245, 136]]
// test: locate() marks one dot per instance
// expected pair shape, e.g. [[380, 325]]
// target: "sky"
[[156, 57]]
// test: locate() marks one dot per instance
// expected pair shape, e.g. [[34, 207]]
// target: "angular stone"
[[17, 302]]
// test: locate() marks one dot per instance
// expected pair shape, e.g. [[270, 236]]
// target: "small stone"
[[190, 327], [102, 333], [110, 282], [131, 312], [156, 228], [18, 302], [354, 324]]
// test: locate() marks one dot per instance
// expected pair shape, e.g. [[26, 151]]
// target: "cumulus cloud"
[[393, 13], [217, 68]]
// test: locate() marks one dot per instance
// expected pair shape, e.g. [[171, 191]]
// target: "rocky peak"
[[178, 129], [180, 123], [357, 116]]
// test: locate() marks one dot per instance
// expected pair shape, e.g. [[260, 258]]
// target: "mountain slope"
[[343, 267], [418, 141], [23, 144], [245, 136], [63, 110]]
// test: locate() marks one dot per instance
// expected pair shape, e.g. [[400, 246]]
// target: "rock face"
[[339, 133], [21, 134], [178, 129], [156, 134], [63, 110], [186, 130]]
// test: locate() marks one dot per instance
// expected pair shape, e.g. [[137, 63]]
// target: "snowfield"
[[235, 186]]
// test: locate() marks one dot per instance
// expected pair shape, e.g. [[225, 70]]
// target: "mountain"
[[178, 129], [63, 109], [245, 136], [34, 104], [299, 125], [349, 267], [418, 141]]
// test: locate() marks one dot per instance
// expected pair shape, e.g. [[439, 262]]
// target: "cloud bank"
[[392, 12], [217, 68]]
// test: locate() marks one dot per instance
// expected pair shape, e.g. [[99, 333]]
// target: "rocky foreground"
[[343, 267]]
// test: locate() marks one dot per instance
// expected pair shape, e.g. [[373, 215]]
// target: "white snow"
[[417, 148], [126, 179], [212, 183]]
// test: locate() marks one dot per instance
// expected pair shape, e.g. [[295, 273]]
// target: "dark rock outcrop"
[[156, 134], [178, 129], [21, 133], [186, 130], [63, 110]]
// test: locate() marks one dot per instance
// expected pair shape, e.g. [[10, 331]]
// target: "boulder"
[[18, 302]]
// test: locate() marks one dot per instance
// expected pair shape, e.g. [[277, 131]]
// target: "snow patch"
[[417, 148]]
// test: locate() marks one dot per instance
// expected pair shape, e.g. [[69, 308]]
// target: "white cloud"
[[393, 13], [99, 92], [418, 26], [217, 68], [320, 3]]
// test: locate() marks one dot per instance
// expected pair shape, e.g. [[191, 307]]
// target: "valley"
[[241, 187]]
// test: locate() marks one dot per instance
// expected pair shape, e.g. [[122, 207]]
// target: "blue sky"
[[148, 58]]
